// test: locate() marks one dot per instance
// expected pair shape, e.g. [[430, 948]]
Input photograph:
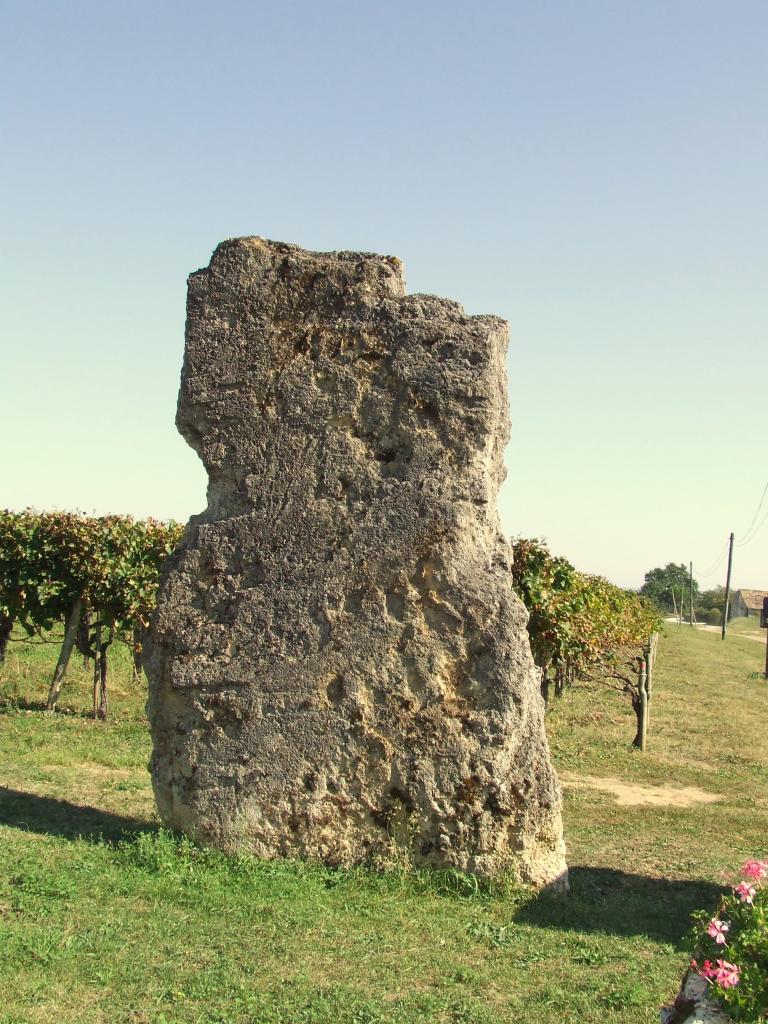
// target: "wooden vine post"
[[100, 668], [70, 633], [642, 677], [645, 689], [136, 649], [6, 627]]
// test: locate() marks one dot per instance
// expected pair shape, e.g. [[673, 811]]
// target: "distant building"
[[746, 602]]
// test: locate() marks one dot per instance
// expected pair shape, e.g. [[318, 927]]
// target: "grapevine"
[[580, 626], [96, 575]]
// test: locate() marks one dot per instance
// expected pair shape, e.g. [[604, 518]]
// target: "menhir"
[[338, 666]]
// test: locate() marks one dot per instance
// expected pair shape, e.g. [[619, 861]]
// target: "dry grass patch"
[[632, 794]]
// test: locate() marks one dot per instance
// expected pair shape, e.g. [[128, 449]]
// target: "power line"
[[749, 535], [758, 528], [715, 565], [746, 538]]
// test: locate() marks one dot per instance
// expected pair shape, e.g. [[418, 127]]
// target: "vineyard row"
[[98, 578]]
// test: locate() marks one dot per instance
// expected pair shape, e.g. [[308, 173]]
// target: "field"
[[106, 918], [746, 627]]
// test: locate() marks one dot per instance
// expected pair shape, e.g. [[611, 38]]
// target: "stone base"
[[693, 1005]]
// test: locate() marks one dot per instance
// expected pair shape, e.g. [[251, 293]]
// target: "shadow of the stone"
[[601, 900], [13, 705], [50, 816], [618, 903]]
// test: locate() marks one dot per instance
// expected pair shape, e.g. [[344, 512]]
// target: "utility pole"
[[691, 595], [727, 587]]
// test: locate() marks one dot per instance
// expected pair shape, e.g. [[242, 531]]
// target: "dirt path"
[[717, 629], [630, 794], [746, 636]]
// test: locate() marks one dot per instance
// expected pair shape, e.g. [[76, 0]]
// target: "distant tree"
[[711, 599], [709, 606], [712, 616], [661, 584]]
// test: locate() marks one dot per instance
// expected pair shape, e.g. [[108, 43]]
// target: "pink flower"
[[745, 892], [727, 975], [755, 869], [706, 970], [716, 930]]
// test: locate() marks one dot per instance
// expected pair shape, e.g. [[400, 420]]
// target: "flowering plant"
[[732, 946]]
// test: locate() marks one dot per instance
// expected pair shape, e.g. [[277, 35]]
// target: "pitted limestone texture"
[[338, 666]]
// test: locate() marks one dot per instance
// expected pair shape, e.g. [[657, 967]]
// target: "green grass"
[[106, 918], [746, 626]]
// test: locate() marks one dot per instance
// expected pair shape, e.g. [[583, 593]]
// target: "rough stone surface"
[[693, 1004], [338, 666]]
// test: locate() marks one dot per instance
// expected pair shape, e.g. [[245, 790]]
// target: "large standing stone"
[[339, 668]]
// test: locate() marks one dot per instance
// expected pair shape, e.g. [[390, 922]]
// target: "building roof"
[[753, 598]]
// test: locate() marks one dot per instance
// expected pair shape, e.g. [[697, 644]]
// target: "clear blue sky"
[[595, 172]]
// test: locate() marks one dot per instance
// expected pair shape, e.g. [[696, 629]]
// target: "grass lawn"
[[746, 626], [106, 918]]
